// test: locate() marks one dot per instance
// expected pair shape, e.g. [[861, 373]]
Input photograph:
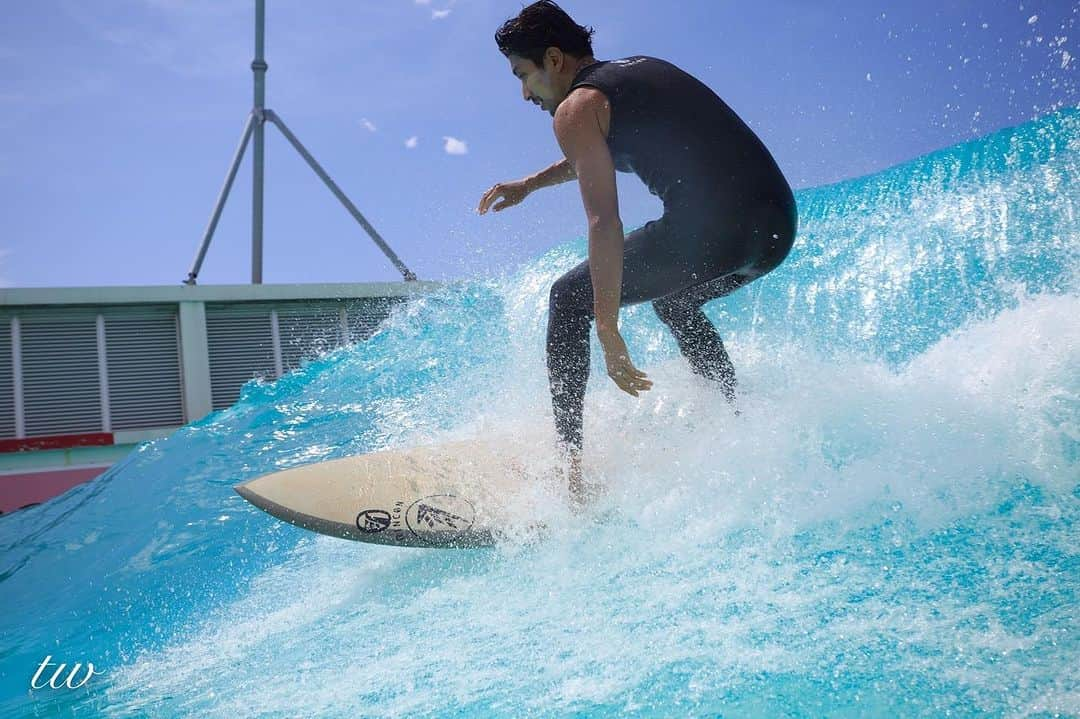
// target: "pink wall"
[[19, 490]]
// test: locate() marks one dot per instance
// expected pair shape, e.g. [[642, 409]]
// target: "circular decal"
[[371, 521], [440, 518]]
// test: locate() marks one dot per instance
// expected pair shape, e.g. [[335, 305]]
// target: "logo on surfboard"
[[371, 521], [440, 518]]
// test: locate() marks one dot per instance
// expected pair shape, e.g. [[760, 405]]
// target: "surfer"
[[729, 214]]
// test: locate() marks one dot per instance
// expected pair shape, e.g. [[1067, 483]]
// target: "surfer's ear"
[[556, 57]]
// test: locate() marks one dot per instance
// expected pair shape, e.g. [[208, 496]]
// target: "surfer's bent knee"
[[566, 295]]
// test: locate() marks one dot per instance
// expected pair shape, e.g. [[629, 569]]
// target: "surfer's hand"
[[510, 192], [619, 367]]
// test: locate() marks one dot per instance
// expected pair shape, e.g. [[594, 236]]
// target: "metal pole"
[[220, 205], [405, 271], [258, 67], [256, 127]]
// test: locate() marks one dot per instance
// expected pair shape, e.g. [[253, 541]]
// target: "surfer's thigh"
[[767, 230], [652, 267], [662, 257], [729, 250]]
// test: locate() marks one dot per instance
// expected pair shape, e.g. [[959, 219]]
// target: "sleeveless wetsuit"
[[729, 217]]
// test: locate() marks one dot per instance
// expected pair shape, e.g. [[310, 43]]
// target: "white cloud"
[[439, 14], [455, 146], [412, 142], [423, 2], [368, 124]]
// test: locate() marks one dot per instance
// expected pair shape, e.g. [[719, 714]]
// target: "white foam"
[[698, 569]]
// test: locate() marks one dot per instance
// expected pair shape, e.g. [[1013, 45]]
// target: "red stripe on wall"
[[59, 441]]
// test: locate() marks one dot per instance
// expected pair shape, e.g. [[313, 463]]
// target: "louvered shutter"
[[307, 329], [143, 351], [240, 345], [61, 387], [366, 314], [7, 381]]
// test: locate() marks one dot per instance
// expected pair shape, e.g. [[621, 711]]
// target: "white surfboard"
[[457, 494]]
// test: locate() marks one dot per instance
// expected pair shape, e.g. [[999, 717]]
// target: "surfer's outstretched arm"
[[511, 193], [562, 171]]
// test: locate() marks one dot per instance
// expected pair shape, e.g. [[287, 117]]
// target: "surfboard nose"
[[256, 498], [272, 508], [247, 493], [255, 492], [270, 498]]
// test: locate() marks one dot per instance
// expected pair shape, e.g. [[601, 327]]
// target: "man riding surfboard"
[[729, 214]]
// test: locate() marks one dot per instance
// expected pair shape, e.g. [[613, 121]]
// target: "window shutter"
[[143, 352], [307, 329], [366, 314], [61, 388], [7, 381], [240, 345]]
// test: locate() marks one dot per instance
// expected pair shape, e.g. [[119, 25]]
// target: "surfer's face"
[[540, 84]]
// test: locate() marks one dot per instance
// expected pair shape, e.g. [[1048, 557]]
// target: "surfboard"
[[456, 494]]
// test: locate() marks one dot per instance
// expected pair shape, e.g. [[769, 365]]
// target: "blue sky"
[[118, 119]]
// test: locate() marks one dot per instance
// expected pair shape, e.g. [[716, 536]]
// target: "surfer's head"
[[545, 48]]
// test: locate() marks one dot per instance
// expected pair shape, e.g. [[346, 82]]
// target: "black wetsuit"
[[729, 217]]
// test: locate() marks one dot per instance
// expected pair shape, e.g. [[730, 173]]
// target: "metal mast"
[[258, 68], [255, 126]]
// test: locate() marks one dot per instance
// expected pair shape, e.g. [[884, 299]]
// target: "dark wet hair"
[[540, 26]]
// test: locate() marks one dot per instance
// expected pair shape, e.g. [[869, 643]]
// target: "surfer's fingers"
[[636, 374], [629, 384], [484, 203], [628, 365], [488, 197]]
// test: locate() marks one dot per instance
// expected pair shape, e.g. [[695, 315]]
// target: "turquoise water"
[[890, 527]]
